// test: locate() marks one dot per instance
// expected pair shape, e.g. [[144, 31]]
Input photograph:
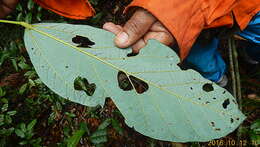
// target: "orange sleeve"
[[185, 19], [75, 9], [245, 10]]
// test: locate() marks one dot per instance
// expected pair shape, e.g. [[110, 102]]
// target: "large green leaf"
[[178, 106]]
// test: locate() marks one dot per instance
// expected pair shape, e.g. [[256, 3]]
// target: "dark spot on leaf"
[[131, 54], [212, 124], [82, 41], [207, 102], [224, 92], [231, 120], [125, 84], [207, 87], [234, 101], [66, 66], [32, 48], [217, 129], [225, 103], [199, 98], [237, 119], [214, 98], [82, 84], [191, 88]]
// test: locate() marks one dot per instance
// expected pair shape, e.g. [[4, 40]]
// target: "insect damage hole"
[[125, 84], [231, 120], [82, 41], [212, 124], [217, 129], [82, 84], [132, 54], [225, 103], [208, 87]]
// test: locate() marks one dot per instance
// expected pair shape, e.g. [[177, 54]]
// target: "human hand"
[[6, 6], [141, 27]]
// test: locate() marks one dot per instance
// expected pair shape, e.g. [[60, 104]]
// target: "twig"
[[232, 70], [235, 78], [238, 85]]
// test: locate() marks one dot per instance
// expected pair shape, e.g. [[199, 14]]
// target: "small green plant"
[[73, 140], [5, 118], [25, 132], [28, 12], [255, 132]]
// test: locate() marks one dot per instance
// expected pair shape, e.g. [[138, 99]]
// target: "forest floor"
[[32, 115]]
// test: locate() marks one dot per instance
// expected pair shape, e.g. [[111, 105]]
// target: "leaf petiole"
[[24, 24]]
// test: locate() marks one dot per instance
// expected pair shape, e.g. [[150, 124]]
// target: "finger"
[[6, 6], [163, 37], [4, 11], [111, 27], [138, 46], [134, 28]]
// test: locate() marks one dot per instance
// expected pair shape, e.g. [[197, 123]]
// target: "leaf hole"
[[207, 87], [231, 120], [225, 103], [212, 124], [82, 84], [125, 84], [191, 88], [82, 41], [132, 54], [214, 98], [217, 129]]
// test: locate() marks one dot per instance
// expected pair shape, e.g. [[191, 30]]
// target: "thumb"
[[134, 28]]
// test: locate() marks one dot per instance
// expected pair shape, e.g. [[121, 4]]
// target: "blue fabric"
[[252, 34], [208, 62], [252, 31]]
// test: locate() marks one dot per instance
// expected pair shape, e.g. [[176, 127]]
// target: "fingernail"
[[122, 38]]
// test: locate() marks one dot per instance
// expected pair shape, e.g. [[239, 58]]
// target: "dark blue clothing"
[[208, 62]]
